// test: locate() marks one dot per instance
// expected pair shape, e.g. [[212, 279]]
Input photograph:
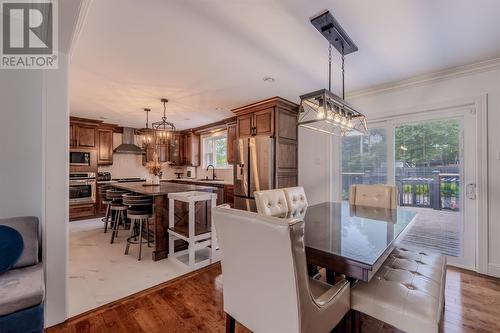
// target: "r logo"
[[27, 28]]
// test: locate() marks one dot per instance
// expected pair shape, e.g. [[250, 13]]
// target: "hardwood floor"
[[193, 303]]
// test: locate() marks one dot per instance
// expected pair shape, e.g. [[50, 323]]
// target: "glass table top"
[[357, 233]]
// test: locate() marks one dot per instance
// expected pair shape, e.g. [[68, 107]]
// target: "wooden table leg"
[[160, 227], [355, 322]]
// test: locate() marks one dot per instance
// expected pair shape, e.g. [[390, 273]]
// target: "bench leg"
[[230, 324]]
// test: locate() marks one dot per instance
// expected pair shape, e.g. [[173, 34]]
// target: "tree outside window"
[[215, 151]]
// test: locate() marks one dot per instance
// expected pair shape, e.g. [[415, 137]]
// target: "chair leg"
[[230, 324], [106, 218], [140, 238], [127, 247], [115, 227]]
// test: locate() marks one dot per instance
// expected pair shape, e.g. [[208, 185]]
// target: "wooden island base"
[[160, 212]]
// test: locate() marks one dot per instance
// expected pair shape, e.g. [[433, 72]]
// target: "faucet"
[[213, 171]]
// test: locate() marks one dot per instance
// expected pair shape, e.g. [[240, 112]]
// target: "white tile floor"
[[100, 273]]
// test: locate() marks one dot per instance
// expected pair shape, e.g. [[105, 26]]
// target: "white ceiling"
[[209, 56]]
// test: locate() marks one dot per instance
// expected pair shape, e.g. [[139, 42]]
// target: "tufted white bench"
[[407, 292]]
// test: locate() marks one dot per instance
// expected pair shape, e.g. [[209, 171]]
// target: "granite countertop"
[[163, 189], [199, 181]]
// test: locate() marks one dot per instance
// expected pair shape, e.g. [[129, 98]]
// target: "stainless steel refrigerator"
[[254, 169]]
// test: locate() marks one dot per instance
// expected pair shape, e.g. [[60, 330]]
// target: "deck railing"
[[417, 187]]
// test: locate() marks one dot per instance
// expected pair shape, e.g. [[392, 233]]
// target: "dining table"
[[352, 240]]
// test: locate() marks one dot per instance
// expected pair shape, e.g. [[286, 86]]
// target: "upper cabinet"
[[231, 136], [176, 149], [191, 149], [94, 135], [82, 133], [105, 145], [260, 118], [256, 123]]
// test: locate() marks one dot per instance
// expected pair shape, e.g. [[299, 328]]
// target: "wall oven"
[[82, 187]]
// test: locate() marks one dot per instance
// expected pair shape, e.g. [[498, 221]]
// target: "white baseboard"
[[494, 270]]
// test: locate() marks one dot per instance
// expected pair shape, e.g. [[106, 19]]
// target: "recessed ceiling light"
[[103, 118], [219, 109], [268, 79]]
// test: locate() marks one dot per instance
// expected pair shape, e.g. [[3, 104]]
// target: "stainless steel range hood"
[[128, 145]]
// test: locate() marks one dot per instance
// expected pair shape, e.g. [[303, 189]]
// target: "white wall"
[[315, 165], [55, 138], [470, 81], [20, 143]]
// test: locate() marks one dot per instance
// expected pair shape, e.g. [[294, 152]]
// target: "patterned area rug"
[[435, 231]]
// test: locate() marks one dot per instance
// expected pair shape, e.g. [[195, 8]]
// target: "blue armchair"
[[22, 288]]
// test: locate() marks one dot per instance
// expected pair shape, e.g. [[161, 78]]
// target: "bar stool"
[[108, 217], [196, 239], [139, 210], [118, 209]]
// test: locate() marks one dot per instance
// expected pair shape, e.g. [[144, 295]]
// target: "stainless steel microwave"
[[80, 158]]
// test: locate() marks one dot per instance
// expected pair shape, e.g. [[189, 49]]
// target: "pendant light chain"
[[343, 80], [330, 67]]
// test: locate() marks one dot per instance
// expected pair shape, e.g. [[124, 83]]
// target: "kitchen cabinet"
[[81, 211], [245, 125], [105, 145], [229, 195], [176, 149], [263, 122], [191, 149], [277, 118], [259, 122], [231, 136], [86, 136], [83, 133]]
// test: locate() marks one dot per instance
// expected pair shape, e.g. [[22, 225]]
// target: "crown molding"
[[83, 11], [420, 80]]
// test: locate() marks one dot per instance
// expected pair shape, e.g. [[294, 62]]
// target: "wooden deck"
[[435, 231], [193, 303]]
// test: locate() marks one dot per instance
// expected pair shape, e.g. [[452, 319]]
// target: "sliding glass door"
[[431, 159]]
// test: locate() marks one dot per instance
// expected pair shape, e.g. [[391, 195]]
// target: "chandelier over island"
[[163, 129], [322, 110]]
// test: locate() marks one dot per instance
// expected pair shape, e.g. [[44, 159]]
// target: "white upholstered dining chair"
[[383, 196], [265, 282], [296, 200], [271, 203]]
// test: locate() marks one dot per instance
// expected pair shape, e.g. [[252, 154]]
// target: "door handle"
[[470, 191]]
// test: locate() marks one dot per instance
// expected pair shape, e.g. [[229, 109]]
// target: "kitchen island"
[[160, 211]]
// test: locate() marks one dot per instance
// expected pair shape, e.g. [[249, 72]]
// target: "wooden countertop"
[[163, 189]]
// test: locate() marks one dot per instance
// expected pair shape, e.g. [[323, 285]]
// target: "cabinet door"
[[86, 136], [175, 149], [72, 136], [264, 122], [231, 136], [245, 125], [192, 149], [105, 146]]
